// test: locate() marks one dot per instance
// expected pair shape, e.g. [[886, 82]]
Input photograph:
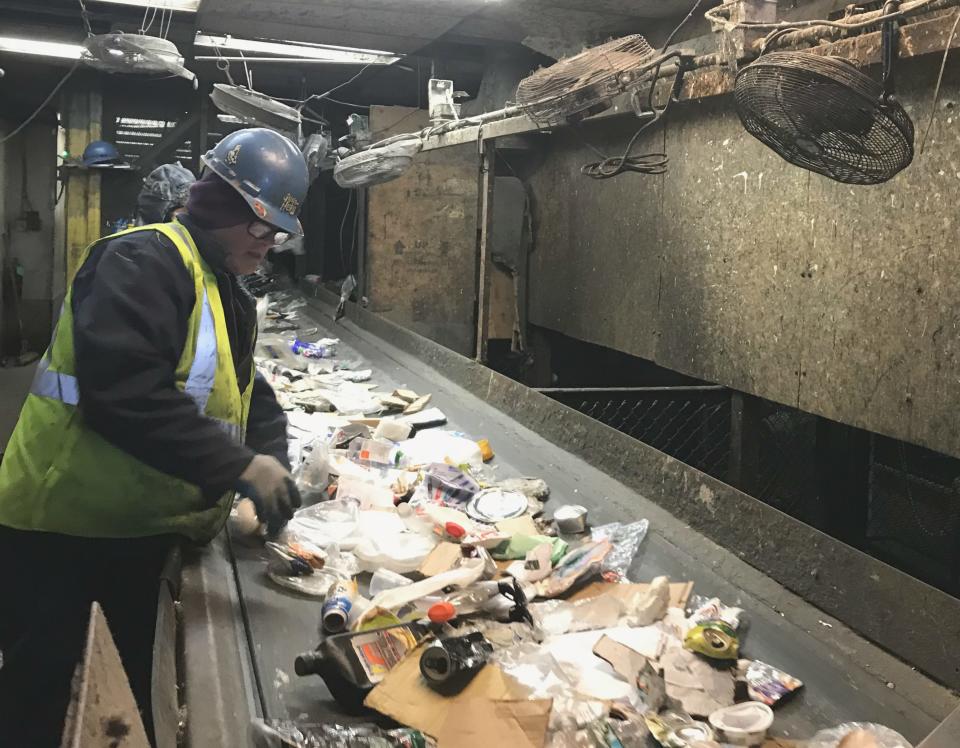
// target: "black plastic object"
[[344, 661], [823, 114], [449, 664]]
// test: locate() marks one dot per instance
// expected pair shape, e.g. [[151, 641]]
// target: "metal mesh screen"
[[689, 424], [911, 497], [914, 509], [823, 114]]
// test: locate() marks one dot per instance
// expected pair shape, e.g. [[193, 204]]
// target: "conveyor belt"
[[280, 625]]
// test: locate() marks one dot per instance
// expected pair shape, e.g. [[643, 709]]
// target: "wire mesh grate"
[[689, 425]]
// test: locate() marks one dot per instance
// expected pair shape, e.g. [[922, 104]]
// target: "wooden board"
[[422, 238], [102, 710]]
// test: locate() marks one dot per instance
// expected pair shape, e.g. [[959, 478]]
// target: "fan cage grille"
[[578, 83], [823, 114]]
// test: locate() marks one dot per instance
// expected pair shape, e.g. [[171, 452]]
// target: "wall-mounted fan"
[[377, 165], [823, 114], [254, 108], [584, 84], [133, 53]]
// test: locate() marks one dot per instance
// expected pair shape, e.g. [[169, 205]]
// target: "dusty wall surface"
[[738, 268], [33, 151], [422, 238]]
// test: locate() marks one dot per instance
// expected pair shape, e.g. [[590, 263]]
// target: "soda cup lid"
[[441, 612]]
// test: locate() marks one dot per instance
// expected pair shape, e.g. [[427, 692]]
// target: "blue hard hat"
[[100, 152], [268, 171]]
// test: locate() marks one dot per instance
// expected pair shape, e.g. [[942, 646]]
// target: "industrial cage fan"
[[254, 108], [584, 84], [134, 53], [823, 114]]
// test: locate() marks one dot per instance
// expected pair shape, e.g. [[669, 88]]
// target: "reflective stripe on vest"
[[199, 385], [54, 384]]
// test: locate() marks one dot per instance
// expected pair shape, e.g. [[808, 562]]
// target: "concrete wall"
[[34, 149], [422, 238], [738, 268]]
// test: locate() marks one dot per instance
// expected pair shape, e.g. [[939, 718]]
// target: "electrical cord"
[[647, 163], [343, 223], [39, 109]]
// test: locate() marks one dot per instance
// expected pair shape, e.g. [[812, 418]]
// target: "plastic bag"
[[383, 579], [443, 446], [324, 524], [883, 736], [312, 475], [398, 552], [626, 540]]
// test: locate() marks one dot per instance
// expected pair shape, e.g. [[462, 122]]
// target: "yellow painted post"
[[83, 113]]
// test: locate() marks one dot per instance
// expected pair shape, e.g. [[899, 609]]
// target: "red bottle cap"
[[441, 612], [454, 530]]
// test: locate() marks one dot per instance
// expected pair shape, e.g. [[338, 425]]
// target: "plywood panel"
[[421, 239], [741, 269], [594, 269]]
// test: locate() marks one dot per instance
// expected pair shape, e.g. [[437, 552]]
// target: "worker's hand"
[[271, 488]]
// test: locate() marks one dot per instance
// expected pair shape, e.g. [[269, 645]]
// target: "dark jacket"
[[132, 299]]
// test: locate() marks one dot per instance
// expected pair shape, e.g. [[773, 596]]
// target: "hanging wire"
[[86, 18], [46, 101], [144, 25], [936, 90], [223, 65], [343, 223], [647, 163], [246, 70], [169, 22]]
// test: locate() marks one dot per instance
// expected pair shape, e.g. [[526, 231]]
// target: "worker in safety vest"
[[145, 416]]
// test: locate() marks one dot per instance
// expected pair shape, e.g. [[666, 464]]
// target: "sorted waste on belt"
[[448, 602]]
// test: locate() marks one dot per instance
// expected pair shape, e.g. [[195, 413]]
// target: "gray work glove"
[[271, 488]]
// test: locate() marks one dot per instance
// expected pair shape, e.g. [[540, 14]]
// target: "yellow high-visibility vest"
[[58, 475]]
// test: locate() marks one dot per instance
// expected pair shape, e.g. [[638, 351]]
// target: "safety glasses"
[[262, 230]]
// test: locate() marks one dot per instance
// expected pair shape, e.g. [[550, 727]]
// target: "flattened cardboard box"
[[404, 696]]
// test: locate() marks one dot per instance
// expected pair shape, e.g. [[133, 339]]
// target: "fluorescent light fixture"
[[46, 49], [187, 6], [320, 52]]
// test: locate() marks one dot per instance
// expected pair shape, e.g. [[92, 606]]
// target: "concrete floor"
[[14, 386]]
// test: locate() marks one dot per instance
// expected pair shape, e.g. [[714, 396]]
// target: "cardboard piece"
[[404, 696], [479, 723], [626, 662], [417, 405], [697, 685], [946, 734], [442, 558], [679, 592]]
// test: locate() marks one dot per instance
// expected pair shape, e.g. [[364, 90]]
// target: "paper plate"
[[494, 504]]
